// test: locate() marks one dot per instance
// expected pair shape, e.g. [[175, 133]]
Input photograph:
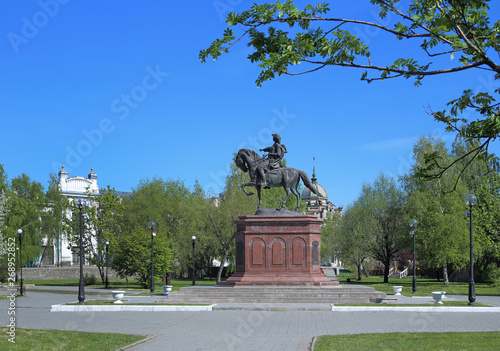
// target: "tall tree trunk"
[[445, 273], [386, 272], [222, 263], [101, 273], [359, 271]]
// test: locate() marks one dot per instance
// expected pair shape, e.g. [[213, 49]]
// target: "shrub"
[[492, 274], [89, 280]]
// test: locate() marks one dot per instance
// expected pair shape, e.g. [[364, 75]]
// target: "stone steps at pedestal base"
[[273, 294]]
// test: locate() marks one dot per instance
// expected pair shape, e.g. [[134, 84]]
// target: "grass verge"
[[430, 304], [55, 340], [121, 284], [110, 303], [424, 286], [410, 341]]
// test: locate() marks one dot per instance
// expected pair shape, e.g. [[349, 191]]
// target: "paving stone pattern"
[[236, 329]]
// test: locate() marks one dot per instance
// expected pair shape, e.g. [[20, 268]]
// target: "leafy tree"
[[482, 178], [101, 218], [440, 29], [167, 203], [132, 255], [222, 212], [3, 211], [352, 237], [56, 212], [3, 179], [27, 204], [385, 201], [441, 235]]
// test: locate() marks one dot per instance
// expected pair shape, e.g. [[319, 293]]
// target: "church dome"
[[307, 194]]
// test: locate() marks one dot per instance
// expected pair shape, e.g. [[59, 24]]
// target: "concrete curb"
[[128, 308], [414, 309]]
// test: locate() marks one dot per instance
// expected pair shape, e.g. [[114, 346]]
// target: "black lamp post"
[[193, 238], [81, 284], [18, 263], [471, 200], [413, 225], [21, 287], [107, 265], [152, 226]]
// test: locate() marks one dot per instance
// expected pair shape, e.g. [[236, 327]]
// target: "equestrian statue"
[[268, 172]]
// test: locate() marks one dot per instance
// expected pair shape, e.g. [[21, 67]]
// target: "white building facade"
[[63, 252]]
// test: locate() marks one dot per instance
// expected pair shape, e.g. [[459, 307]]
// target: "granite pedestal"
[[278, 250]]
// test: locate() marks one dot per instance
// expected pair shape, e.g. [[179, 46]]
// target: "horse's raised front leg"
[[247, 184]]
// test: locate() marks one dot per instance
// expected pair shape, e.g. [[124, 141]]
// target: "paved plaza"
[[243, 328]]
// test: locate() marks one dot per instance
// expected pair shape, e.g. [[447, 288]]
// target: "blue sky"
[[118, 87]]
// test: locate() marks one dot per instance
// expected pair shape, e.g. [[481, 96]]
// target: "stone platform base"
[[278, 250], [274, 294], [294, 279]]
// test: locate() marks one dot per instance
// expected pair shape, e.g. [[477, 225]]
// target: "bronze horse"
[[288, 178]]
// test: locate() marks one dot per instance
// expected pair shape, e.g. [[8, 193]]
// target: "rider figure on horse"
[[274, 156]]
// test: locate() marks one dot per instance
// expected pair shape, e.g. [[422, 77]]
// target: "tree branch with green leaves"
[[284, 39]]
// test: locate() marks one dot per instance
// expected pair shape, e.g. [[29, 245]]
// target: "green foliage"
[[221, 213], [456, 29], [441, 234], [491, 274], [132, 255], [89, 279], [173, 208], [4, 209], [26, 203], [482, 178], [386, 202], [4, 268], [57, 208], [350, 237], [101, 222]]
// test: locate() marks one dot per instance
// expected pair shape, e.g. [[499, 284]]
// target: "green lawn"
[[429, 304], [410, 341], [55, 340], [424, 286], [111, 303], [121, 284]]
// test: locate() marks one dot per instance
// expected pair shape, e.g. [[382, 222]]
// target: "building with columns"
[[63, 252]]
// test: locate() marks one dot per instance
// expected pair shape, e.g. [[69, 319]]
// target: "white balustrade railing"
[[404, 273]]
